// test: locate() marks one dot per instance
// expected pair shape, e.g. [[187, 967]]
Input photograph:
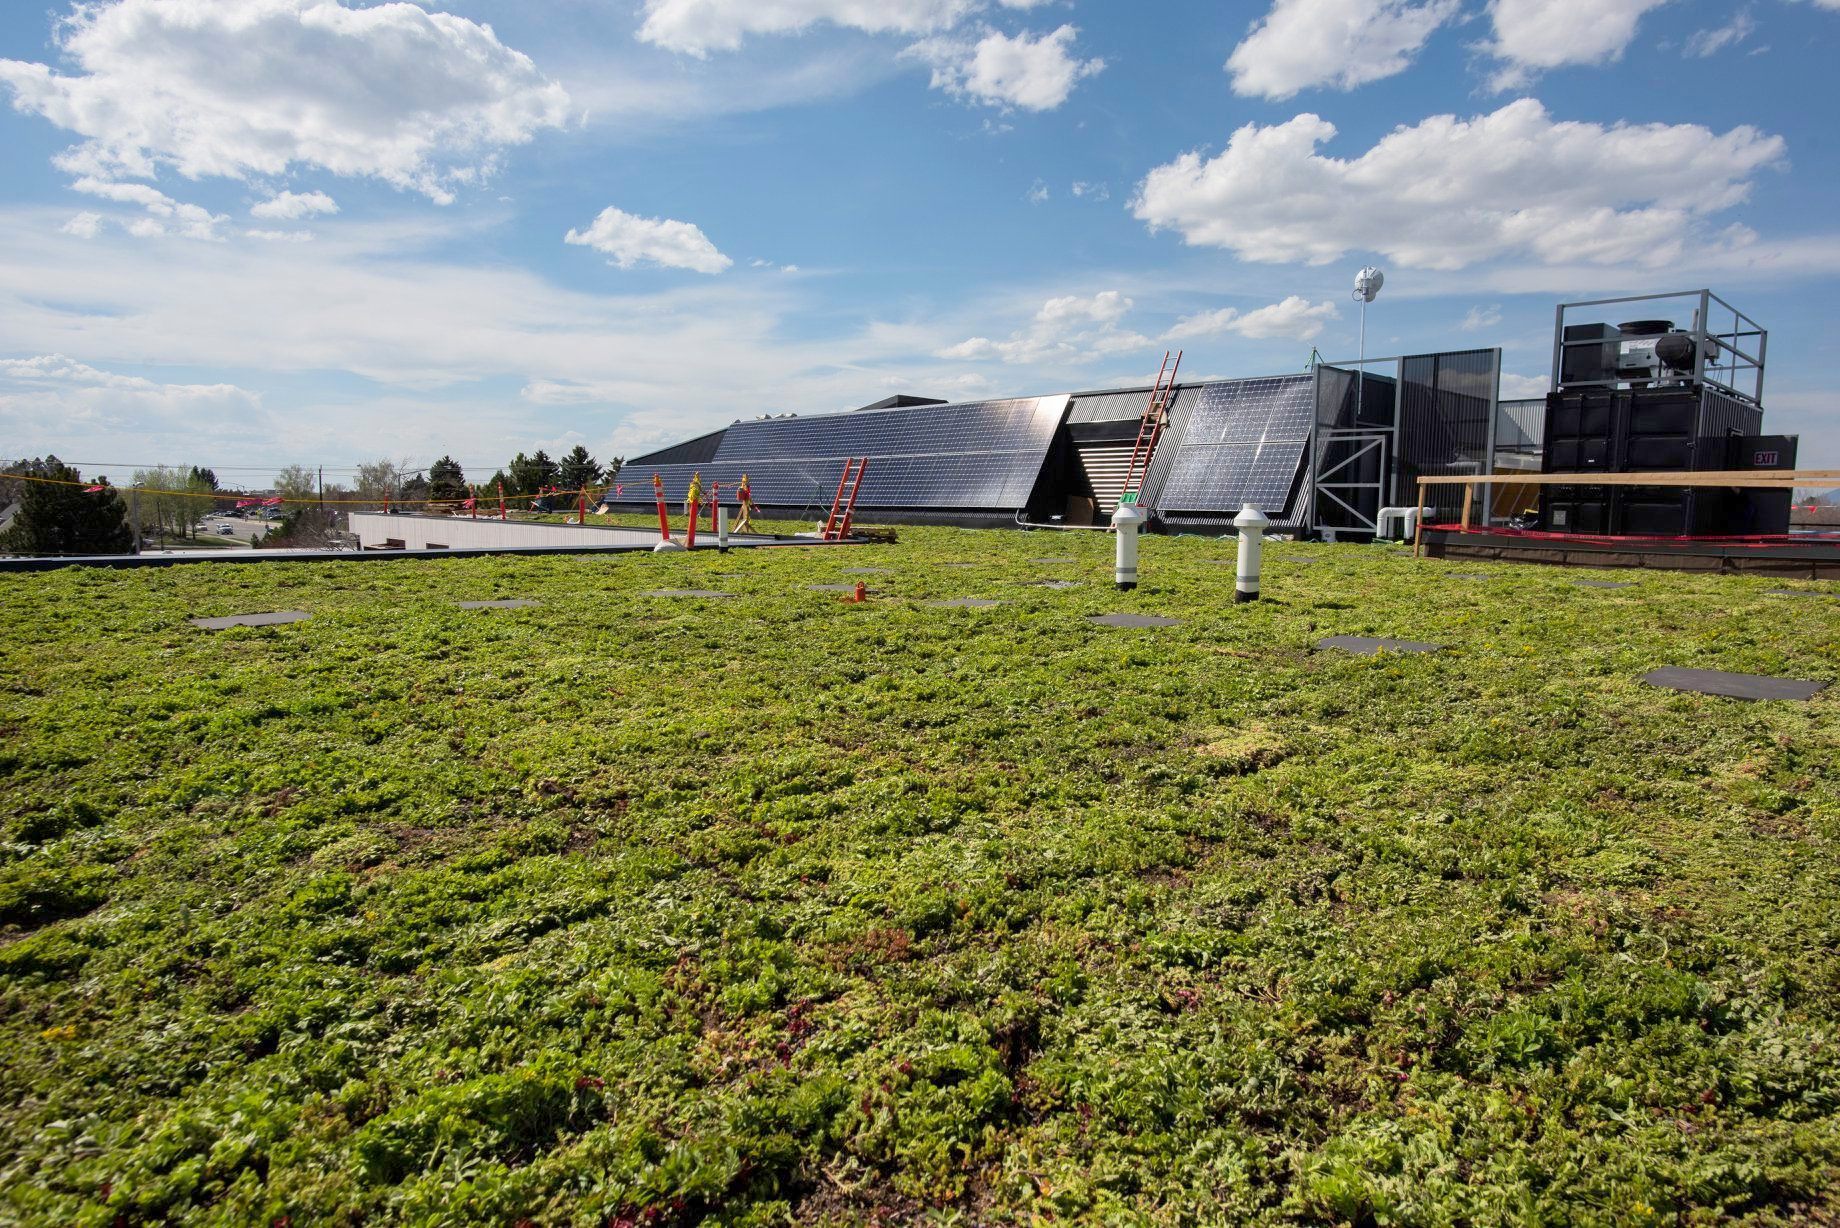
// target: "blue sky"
[[249, 233]]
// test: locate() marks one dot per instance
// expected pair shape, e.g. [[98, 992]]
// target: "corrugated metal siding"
[[1723, 415], [1520, 427]]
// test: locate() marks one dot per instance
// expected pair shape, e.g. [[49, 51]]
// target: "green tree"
[[529, 474], [296, 482], [578, 470], [173, 500], [58, 516], [446, 481], [380, 481]]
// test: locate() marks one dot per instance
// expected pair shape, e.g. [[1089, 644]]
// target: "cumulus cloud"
[[1071, 328], [1531, 36], [1449, 192], [50, 396], [85, 225], [1036, 73], [166, 216], [698, 27], [289, 206], [630, 241], [1295, 318], [1524, 387], [241, 88], [1304, 44]]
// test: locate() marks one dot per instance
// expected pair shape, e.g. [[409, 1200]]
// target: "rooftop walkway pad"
[[1733, 686], [275, 619]]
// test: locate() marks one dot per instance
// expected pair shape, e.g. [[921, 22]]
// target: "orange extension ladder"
[[837, 525], [1156, 417]]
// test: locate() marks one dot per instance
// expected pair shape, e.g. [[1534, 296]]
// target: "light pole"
[[1367, 285]]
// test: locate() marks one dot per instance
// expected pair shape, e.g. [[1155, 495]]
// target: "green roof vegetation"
[[780, 909]]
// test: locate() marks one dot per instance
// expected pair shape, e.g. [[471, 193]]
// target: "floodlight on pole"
[[1367, 285]]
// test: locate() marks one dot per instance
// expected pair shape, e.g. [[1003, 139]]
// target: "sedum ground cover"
[[641, 911]]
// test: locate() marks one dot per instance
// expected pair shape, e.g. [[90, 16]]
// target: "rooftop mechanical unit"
[[1652, 395]]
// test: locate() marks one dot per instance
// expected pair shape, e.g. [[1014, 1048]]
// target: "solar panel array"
[[983, 454], [1244, 442]]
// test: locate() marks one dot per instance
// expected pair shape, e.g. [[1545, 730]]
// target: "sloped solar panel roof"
[[1244, 441], [983, 455]]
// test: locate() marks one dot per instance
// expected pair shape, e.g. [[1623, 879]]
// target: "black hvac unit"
[[1658, 428], [1762, 511]]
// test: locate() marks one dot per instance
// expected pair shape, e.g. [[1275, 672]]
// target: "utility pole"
[[134, 515], [322, 491]]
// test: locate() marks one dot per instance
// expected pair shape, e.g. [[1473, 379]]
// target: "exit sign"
[[1765, 460]]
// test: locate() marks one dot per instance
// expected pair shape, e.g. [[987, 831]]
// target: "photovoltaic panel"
[[1244, 442], [984, 454]]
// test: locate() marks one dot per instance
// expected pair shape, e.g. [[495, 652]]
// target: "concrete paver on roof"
[[274, 619], [1733, 686]]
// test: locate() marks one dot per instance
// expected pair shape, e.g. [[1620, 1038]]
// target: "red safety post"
[[581, 506], [472, 504], [862, 591], [501, 501], [664, 514], [693, 504]]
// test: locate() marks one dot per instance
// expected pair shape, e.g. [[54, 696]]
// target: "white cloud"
[[85, 225], [1071, 328], [698, 27], [631, 240], [1710, 42], [701, 26], [1303, 44], [426, 339], [1524, 387], [1034, 73], [289, 206], [1479, 318], [1092, 191], [166, 216], [241, 88], [280, 236], [1295, 318], [1448, 192], [49, 402], [1532, 36], [1037, 193]]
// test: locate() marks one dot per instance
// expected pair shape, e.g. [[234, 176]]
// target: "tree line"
[[59, 513]]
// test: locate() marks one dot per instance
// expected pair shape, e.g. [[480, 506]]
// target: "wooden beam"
[[1418, 520], [1761, 479], [1469, 493]]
